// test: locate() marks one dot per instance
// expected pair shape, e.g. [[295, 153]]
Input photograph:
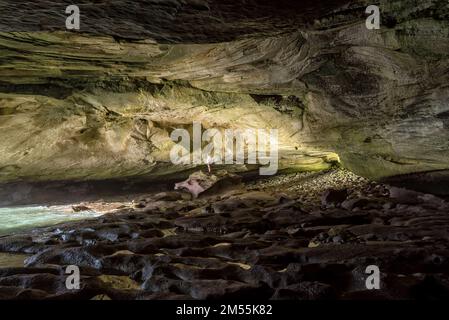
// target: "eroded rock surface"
[[262, 244], [101, 103]]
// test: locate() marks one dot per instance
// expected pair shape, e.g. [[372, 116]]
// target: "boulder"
[[200, 182]]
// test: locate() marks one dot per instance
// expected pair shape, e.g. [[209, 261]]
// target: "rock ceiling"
[[100, 103]]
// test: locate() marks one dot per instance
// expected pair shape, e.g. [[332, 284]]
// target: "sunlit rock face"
[[101, 103], [101, 134]]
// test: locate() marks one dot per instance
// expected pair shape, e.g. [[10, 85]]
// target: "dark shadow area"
[[434, 182], [170, 21], [69, 191]]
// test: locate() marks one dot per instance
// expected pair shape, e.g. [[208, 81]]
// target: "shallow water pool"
[[18, 219]]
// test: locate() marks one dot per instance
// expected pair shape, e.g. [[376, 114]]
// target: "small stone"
[[334, 197], [101, 297], [140, 205], [80, 208], [313, 244], [337, 239], [167, 196], [388, 206], [350, 204]]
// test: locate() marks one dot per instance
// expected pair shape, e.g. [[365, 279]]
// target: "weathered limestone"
[[100, 104]]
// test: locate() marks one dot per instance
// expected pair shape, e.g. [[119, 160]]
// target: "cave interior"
[[355, 177]]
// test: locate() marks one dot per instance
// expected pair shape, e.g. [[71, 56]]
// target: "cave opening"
[[208, 149]]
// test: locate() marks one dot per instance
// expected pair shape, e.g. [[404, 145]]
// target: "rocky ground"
[[296, 236]]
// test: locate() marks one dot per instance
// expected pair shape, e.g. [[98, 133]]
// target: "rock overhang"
[[377, 98]]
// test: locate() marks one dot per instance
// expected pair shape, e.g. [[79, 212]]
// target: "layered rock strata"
[[101, 102]]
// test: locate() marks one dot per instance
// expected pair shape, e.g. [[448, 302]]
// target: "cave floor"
[[288, 237]]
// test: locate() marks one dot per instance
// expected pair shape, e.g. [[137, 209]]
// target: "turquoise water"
[[26, 218]]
